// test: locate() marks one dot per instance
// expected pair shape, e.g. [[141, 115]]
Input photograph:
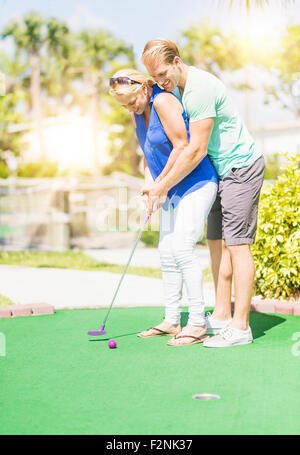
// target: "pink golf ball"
[[112, 344]]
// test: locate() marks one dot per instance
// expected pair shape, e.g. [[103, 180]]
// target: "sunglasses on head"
[[122, 80]]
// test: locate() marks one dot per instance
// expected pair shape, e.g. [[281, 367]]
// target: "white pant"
[[180, 229]]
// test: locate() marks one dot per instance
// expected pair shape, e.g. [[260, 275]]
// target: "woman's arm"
[[172, 158], [170, 111], [133, 119], [148, 182], [148, 177]]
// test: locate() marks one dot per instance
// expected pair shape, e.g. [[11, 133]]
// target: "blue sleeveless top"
[[157, 148]]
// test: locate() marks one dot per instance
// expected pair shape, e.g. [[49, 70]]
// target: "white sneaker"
[[215, 325], [229, 336]]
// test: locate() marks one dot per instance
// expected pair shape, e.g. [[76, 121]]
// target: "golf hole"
[[206, 396]]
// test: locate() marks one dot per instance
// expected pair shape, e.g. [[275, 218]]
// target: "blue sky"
[[137, 21]]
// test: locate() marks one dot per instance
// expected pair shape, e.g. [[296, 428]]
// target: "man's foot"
[[165, 328], [190, 334], [229, 336], [215, 325]]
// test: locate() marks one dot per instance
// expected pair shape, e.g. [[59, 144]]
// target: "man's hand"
[[157, 194]]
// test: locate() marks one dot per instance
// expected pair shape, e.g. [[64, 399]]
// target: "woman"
[[162, 131]]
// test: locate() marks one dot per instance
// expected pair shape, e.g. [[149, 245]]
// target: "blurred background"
[[70, 165]]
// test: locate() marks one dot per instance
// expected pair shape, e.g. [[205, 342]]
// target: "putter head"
[[101, 331], [96, 332]]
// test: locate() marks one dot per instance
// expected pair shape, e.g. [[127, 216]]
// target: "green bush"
[[5, 301], [273, 169], [150, 238], [5, 172], [38, 169], [277, 249]]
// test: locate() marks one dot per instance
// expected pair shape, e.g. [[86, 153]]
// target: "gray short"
[[233, 216]]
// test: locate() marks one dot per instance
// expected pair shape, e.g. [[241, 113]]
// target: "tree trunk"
[[94, 115], [91, 81], [35, 90]]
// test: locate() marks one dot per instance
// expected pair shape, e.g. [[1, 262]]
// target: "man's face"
[[165, 74]]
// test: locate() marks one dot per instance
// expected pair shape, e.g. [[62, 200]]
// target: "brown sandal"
[[197, 339], [159, 334]]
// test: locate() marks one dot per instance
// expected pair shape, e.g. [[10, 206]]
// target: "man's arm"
[[189, 158], [172, 158], [192, 154]]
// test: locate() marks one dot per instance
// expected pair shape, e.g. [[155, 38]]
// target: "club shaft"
[[125, 270]]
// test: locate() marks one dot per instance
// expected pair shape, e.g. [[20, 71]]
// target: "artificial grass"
[[55, 379]]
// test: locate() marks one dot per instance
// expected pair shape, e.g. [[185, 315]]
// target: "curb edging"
[[273, 306], [31, 309], [257, 306]]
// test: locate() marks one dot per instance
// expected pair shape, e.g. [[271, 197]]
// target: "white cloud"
[[84, 17]]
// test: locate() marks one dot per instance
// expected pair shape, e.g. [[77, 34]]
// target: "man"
[[216, 129]]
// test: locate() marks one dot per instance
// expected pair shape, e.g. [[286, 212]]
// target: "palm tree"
[[29, 37], [208, 48], [60, 59], [10, 141], [99, 50], [14, 70], [249, 4]]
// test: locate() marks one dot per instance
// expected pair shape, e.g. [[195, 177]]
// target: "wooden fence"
[[50, 213]]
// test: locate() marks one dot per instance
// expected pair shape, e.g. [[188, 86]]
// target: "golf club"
[[101, 330]]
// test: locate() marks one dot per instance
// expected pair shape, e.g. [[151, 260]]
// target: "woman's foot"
[[190, 334], [164, 328]]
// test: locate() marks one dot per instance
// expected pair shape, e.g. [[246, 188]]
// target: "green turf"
[[55, 379]]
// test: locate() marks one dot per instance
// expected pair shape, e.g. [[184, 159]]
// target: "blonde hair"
[[124, 89], [161, 48]]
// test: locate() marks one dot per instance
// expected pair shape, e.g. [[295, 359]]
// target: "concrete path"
[[143, 257], [82, 289]]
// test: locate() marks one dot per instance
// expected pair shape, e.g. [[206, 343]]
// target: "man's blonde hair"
[[161, 48], [124, 89]]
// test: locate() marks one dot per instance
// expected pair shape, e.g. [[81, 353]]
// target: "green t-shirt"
[[230, 144]]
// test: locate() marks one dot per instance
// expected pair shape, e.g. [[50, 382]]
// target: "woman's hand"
[[146, 187], [156, 195], [144, 193]]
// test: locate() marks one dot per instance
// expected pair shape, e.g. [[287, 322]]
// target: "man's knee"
[[237, 250]]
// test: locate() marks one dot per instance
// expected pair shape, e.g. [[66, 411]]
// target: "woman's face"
[[136, 101]]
